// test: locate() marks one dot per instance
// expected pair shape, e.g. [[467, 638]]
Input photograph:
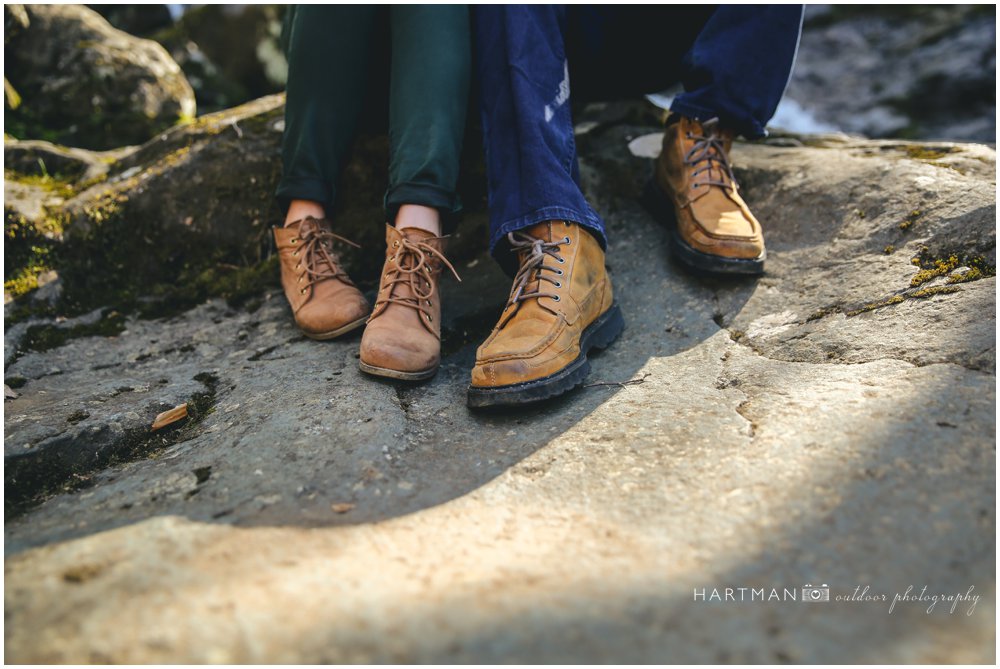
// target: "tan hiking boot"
[[324, 300], [403, 337], [710, 225], [559, 308]]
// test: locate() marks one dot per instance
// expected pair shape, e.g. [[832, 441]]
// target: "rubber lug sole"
[[599, 334], [662, 208]]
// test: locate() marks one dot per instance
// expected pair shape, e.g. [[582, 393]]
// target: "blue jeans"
[[733, 60]]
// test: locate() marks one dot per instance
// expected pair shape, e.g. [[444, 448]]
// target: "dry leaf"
[[172, 416], [342, 507]]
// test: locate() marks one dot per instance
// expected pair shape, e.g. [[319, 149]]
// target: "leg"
[[429, 92], [738, 68], [527, 125], [328, 51], [561, 303], [735, 74], [624, 51]]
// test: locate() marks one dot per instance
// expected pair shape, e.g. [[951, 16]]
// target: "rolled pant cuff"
[[303, 188], [426, 195], [748, 128], [589, 220]]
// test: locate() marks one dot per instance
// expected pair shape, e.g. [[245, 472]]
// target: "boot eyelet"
[[300, 280], [560, 260], [430, 318], [302, 292], [429, 303], [559, 272], [296, 253], [395, 244], [556, 298], [567, 240], [558, 284]]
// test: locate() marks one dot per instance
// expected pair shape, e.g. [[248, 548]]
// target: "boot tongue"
[[320, 263], [541, 231], [418, 236], [715, 171]]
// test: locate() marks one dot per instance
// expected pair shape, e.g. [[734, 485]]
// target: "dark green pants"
[[333, 51]]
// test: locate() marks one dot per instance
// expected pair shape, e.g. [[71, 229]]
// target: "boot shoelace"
[[709, 149], [319, 261], [533, 267], [416, 264]]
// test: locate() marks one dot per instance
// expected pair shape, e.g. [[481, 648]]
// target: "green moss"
[[932, 291], [237, 285], [910, 220], [973, 274], [15, 381], [46, 337], [77, 416], [933, 267], [53, 184], [872, 306], [939, 268], [100, 178], [948, 166], [926, 153], [29, 248], [822, 313]]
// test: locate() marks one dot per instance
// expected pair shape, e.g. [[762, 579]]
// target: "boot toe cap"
[[398, 353], [319, 318]]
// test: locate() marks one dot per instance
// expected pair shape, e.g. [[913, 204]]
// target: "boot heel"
[[605, 330]]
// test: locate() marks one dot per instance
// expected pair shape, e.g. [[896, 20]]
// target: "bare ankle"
[[299, 209], [420, 217]]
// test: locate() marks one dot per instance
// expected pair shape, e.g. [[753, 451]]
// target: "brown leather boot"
[[694, 190], [403, 336], [559, 308], [324, 300]]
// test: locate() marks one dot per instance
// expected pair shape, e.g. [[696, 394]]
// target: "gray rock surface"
[[912, 71], [829, 423], [87, 84]]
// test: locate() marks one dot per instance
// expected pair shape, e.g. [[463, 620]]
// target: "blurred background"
[[901, 71]]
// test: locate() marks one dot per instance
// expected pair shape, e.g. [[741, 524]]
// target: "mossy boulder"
[[81, 82], [189, 214], [38, 158]]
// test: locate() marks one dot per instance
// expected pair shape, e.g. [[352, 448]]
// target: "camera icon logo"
[[817, 593]]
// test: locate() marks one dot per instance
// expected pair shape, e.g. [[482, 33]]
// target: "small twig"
[[620, 384], [239, 132]]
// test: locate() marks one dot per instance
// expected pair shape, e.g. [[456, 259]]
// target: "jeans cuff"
[[749, 128], [589, 219]]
